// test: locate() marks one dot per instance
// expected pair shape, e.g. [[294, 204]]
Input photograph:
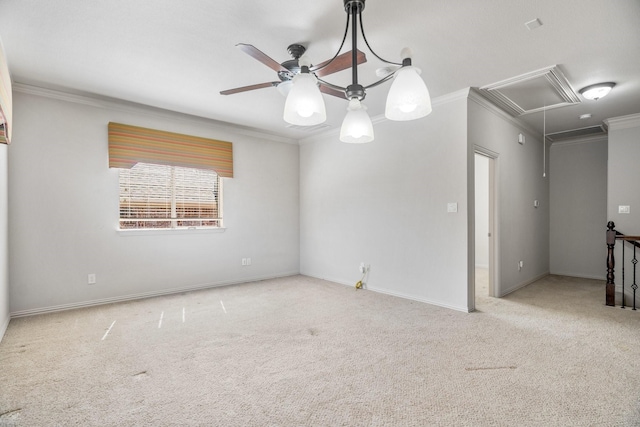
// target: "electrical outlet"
[[91, 279], [520, 265], [362, 268]]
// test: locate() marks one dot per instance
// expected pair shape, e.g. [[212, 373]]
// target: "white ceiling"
[[179, 55]]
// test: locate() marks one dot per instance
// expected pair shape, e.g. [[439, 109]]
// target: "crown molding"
[[451, 97], [476, 96], [623, 122], [577, 141], [98, 101], [435, 102]]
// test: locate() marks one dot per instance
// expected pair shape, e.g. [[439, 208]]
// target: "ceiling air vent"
[[577, 133], [308, 129]]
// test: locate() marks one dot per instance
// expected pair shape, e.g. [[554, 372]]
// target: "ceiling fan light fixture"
[[284, 87], [408, 97], [356, 126], [597, 91], [304, 105]]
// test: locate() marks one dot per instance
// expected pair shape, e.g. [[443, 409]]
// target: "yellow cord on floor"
[[360, 283]]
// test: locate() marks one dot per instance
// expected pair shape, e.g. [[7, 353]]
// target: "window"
[[166, 197]]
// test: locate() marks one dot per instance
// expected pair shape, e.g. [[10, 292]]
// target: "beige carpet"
[[482, 282], [304, 352]]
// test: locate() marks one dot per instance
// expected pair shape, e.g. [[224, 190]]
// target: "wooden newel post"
[[610, 290]]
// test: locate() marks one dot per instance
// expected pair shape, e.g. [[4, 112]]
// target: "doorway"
[[485, 248]]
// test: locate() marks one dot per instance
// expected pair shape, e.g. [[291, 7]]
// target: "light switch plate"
[[624, 209], [452, 207]]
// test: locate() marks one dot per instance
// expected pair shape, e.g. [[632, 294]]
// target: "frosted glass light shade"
[[597, 91], [408, 97], [285, 87], [304, 105], [357, 126]]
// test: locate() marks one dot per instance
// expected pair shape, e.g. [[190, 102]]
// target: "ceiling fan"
[[301, 83], [290, 68]]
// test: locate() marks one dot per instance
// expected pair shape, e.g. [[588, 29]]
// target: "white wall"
[[385, 204], [624, 173], [622, 187], [522, 230], [482, 210], [4, 254], [578, 175], [63, 209]]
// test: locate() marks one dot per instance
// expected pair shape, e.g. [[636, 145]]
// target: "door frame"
[[494, 279]]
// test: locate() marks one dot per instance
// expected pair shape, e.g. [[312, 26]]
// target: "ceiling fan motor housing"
[[353, 5], [296, 51]]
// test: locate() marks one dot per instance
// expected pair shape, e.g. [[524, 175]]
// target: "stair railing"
[[610, 287]]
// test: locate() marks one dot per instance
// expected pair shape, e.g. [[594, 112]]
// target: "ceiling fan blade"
[[247, 88], [342, 62], [260, 56], [331, 91]]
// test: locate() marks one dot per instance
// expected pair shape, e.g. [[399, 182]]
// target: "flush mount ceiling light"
[[597, 91], [302, 84]]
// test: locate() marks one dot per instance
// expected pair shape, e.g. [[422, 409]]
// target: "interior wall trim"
[[478, 149], [476, 96], [522, 285], [623, 122], [4, 326], [126, 106], [578, 275], [142, 295], [585, 140], [395, 294]]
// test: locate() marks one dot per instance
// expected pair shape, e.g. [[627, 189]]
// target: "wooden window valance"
[[129, 145], [6, 100]]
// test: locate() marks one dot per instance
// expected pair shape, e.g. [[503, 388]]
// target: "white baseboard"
[[4, 326], [130, 297], [395, 294], [424, 300], [522, 285], [581, 276]]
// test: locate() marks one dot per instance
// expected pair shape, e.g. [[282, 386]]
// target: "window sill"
[[169, 232]]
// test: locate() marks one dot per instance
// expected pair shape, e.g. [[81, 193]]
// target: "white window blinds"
[[161, 196]]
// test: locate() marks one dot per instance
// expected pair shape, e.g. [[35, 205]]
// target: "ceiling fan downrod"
[[354, 90]]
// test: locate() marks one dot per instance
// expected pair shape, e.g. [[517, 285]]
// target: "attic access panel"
[[532, 92]]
